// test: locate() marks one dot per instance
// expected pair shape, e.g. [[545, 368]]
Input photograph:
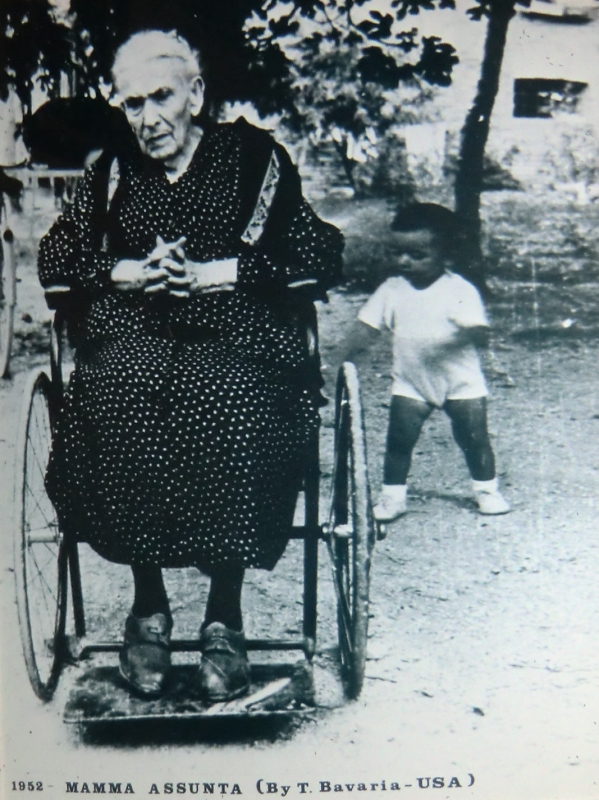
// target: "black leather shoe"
[[145, 657], [224, 672]]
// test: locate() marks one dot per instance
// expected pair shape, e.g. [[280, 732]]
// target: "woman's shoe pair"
[[145, 659]]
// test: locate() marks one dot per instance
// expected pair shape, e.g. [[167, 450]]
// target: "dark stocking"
[[224, 599], [150, 594]]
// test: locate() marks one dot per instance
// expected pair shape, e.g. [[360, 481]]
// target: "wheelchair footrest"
[[100, 695]]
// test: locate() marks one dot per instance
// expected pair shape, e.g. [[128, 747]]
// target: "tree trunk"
[[469, 178], [348, 164]]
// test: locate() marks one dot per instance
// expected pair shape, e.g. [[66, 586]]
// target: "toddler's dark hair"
[[440, 221], [449, 232]]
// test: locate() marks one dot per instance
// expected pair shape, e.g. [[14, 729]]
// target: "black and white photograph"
[[299, 471]]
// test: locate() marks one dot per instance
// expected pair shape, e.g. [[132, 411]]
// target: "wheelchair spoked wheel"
[[351, 530], [41, 565], [7, 291]]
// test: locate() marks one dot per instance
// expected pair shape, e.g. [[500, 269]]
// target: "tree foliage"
[[35, 46], [262, 51], [348, 61], [338, 71]]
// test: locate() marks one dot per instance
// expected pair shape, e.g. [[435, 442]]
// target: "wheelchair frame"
[[47, 560]]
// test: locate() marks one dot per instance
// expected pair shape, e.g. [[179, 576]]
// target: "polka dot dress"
[[182, 438]]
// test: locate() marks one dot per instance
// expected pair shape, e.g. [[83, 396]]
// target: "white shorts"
[[438, 389]]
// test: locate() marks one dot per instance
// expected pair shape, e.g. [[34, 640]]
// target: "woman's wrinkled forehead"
[[147, 46]]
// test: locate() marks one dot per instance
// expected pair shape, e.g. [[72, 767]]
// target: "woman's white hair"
[[150, 44]]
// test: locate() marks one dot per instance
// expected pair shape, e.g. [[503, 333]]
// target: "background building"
[[545, 124]]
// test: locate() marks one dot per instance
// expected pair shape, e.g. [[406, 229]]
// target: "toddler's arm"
[[469, 316], [478, 335]]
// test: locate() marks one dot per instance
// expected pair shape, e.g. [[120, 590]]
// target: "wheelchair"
[[47, 567]]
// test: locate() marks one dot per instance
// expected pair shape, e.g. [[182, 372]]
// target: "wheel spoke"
[[43, 514], [47, 546], [48, 560], [345, 612], [43, 444], [43, 582], [41, 467]]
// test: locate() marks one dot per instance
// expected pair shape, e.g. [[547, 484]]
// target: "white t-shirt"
[[424, 323]]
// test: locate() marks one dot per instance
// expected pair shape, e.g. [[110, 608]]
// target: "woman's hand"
[[147, 274], [129, 275], [215, 276], [199, 277], [167, 269]]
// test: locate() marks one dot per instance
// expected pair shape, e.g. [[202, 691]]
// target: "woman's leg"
[[406, 418], [224, 598], [469, 424], [150, 594], [145, 658], [224, 671]]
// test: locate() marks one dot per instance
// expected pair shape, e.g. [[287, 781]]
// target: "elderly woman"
[[181, 440]]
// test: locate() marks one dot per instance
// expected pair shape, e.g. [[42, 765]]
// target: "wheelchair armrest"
[[307, 289], [69, 306], [10, 185], [303, 282], [64, 302], [58, 298]]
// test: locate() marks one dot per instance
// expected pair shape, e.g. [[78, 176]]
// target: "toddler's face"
[[416, 256]]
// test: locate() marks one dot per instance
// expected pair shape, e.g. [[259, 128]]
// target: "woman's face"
[[160, 98]]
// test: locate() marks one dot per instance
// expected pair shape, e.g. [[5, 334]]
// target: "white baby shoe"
[[392, 503], [489, 498]]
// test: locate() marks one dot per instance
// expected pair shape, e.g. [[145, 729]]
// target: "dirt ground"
[[483, 631]]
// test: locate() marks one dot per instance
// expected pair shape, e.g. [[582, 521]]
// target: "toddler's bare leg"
[[406, 418], [469, 424]]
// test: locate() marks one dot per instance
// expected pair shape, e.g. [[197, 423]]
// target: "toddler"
[[437, 319]]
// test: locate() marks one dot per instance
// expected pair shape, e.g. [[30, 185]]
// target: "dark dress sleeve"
[[71, 252], [296, 247]]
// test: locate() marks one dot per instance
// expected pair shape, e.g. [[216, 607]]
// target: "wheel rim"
[[345, 606], [352, 532], [343, 551], [41, 557]]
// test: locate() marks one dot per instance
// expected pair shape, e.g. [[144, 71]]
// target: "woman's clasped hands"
[[168, 270]]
